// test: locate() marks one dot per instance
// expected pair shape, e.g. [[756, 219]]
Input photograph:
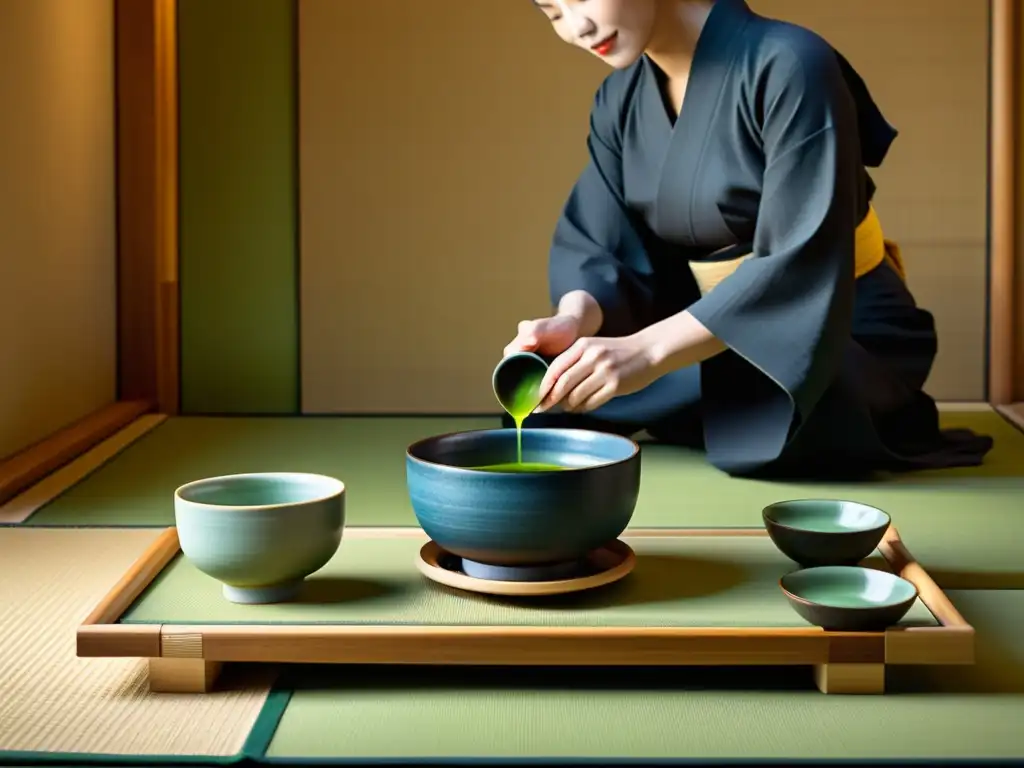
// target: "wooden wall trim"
[[1018, 296], [1014, 414], [37, 461], [1005, 185], [147, 201]]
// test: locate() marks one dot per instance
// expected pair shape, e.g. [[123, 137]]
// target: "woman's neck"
[[677, 28]]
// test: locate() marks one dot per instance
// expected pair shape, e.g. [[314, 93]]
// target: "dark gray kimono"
[[824, 371]]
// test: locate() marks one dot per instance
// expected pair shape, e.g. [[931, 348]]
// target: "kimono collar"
[[728, 18]]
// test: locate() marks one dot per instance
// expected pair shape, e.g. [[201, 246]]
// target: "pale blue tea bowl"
[[260, 534]]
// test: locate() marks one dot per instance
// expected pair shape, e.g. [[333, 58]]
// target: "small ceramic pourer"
[[516, 381]]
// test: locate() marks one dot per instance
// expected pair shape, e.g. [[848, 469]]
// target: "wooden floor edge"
[[939, 646], [36, 496], [147, 566], [511, 645], [903, 563], [963, 406], [1013, 413], [51, 453], [117, 641]]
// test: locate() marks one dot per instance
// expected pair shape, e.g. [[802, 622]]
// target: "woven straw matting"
[[52, 701]]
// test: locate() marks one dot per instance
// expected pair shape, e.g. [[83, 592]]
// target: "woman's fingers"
[[529, 337], [575, 401], [564, 374], [605, 393], [521, 344]]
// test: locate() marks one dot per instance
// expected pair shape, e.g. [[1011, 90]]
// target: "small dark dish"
[[523, 518], [816, 532], [842, 598]]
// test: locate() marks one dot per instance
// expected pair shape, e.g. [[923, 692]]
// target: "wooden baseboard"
[[963, 406], [39, 460], [28, 502], [1013, 413]]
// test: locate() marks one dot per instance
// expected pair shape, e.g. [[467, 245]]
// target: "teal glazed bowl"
[[815, 532], [843, 598], [260, 534], [523, 519]]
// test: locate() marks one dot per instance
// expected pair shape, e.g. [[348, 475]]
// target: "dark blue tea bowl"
[[523, 518]]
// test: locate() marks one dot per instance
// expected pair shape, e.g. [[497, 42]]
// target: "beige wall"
[[57, 227], [438, 142], [435, 156]]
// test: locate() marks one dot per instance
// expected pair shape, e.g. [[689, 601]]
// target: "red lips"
[[604, 47]]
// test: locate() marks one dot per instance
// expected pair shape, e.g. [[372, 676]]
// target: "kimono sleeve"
[[787, 312], [596, 247]]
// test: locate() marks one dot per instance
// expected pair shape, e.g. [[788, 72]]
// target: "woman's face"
[[616, 31]]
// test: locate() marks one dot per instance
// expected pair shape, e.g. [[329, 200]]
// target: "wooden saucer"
[[608, 564]]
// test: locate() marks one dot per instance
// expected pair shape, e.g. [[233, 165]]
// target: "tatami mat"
[[967, 713], [678, 581], [368, 454], [52, 701], [964, 524]]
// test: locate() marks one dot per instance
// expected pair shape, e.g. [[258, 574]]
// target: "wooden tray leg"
[[172, 675], [850, 678]]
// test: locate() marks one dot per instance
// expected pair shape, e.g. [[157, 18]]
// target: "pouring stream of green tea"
[[516, 381], [525, 399]]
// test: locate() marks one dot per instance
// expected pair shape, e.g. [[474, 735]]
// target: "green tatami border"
[[253, 749]]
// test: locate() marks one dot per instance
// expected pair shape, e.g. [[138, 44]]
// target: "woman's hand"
[[594, 370], [548, 336]]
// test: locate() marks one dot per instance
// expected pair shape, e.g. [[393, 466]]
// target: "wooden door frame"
[[1006, 274], [146, 105], [147, 202]]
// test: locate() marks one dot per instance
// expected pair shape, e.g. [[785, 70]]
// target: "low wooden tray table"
[[697, 597]]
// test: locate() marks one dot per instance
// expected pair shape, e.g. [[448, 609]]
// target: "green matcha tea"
[[525, 399], [521, 467]]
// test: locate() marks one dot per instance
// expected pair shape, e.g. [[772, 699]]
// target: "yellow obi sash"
[[870, 249]]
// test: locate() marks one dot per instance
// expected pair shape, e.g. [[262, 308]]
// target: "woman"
[[719, 273]]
